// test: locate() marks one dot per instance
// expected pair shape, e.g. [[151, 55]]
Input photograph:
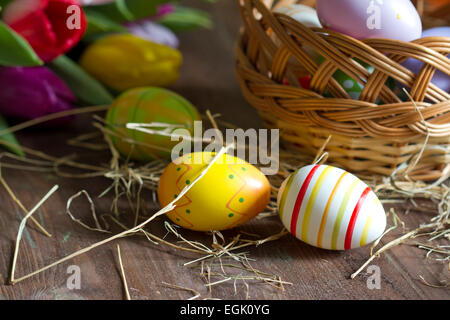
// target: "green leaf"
[[15, 50], [13, 145], [87, 89], [126, 10], [186, 19], [121, 5], [99, 23]]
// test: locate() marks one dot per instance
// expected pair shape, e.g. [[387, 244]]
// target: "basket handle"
[[420, 4], [269, 3], [442, 12]]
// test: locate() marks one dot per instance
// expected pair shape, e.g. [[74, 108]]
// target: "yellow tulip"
[[124, 61]]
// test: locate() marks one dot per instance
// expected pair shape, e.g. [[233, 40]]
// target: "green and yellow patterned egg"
[[161, 110]]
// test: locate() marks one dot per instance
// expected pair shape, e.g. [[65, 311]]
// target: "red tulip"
[[52, 27]]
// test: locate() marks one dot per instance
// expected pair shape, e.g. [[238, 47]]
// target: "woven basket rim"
[[356, 118], [368, 136]]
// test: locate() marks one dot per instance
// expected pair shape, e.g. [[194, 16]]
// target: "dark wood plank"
[[207, 80]]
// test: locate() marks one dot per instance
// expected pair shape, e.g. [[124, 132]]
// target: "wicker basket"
[[367, 136]]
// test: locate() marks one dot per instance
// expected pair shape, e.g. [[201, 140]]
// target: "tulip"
[[29, 93], [154, 32], [161, 9], [165, 9], [124, 61], [51, 27], [93, 2]]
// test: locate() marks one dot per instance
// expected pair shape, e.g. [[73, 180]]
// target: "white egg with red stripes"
[[330, 208]]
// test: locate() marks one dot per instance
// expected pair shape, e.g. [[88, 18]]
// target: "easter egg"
[[304, 14], [330, 208], [350, 85], [125, 61], [364, 19], [162, 108], [231, 193], [440, 79]]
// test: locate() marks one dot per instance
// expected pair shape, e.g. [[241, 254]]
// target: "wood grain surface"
[[207, 80]]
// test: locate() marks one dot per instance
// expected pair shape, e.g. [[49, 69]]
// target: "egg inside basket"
[[382, 129]]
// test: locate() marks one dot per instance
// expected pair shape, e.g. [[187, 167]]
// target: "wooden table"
[[207, 80]]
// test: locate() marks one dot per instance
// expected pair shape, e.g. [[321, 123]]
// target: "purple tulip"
[[93, 2], [29, 93], [165, 9], [148, 30]]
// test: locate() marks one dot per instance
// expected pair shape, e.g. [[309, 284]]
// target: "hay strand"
[[195, 293], [19, 203], [161, 212], [53, 116], [22, 227], [122, 274], [400, 240]]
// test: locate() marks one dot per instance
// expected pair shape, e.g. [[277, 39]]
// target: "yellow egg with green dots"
[[161, 110], [231, 193]]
